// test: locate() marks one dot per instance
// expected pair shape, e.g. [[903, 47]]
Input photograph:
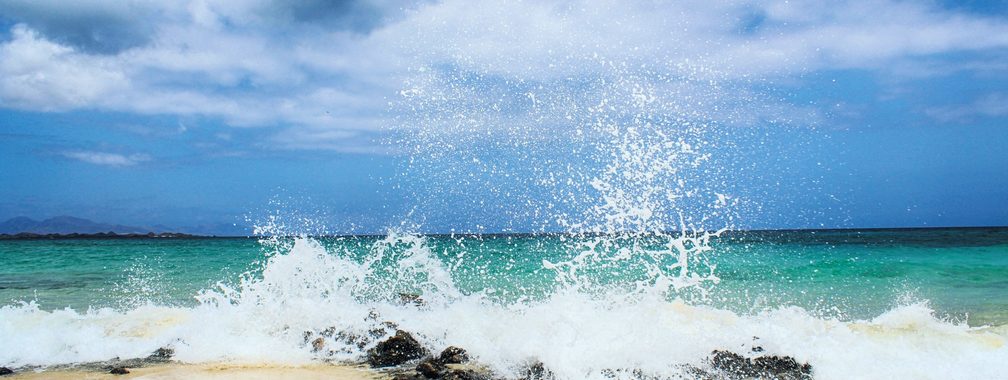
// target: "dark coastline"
[[100, 235], [927, 236]]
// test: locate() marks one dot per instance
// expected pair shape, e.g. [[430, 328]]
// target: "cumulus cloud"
[[42, 75], [322, 74], [106, 159]]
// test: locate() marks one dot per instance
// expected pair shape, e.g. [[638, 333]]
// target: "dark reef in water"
[[100, 235]]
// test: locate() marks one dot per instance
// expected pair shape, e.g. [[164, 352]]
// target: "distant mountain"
[[66, 225], [70, 225]]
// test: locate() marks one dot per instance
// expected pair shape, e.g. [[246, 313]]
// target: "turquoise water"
[[927, 303], [961, 273]]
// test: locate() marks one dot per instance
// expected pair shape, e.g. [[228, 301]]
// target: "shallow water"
[[926, 303], [962, 273]]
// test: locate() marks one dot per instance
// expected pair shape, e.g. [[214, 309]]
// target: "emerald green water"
[[961, 273]]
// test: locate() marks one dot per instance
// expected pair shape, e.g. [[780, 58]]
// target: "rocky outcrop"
[[398, 349], [119, 371], [446, 366], [161, 355], [735, 366], [453, 355], [331, 341], [431, 368], [4, 371], [535, 370], [451, 364]]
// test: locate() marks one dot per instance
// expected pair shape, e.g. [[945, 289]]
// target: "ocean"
[[903, 303]]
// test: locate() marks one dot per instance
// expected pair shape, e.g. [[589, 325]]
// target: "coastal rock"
[[318, 344], [464, 374], [536, 371], [783, 367], [396, 350], [639, 374], [383, 329], [331, 341], [162, 354], [431, 368], [446, 374], [119, 371], [776, 367], [411, 298], [453, 355], [409, 376], [446, 366], [4, 371]]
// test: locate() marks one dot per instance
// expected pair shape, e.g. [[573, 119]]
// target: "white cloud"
[[106, 159], [872, 35], [257, 64], [39, 74], [990, 105]]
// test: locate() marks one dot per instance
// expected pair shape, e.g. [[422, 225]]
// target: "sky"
[[366, 115]]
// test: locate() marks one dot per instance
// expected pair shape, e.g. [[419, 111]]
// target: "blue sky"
[[447, 114]]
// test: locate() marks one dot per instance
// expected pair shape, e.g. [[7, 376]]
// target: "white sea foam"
[[576, 334]]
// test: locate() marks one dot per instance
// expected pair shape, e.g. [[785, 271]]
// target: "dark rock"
[[383, 329], [411, 298], [776, 367], [464, 374], [329, 331], [453, 355], [431, 368], [318, 344], [396, 350], [352, 339], [732, 363], [4, 371], [119, 371], [783, 365], [634, 373], [331, 341], [161, 354], [756, 347], [536, 371], [409, 376]]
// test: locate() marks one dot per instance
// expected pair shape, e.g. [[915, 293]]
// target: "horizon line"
[[176, 235]]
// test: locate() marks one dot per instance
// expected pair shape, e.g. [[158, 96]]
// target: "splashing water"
[[339, 288], [623, 177]]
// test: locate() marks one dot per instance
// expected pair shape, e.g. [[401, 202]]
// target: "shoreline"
[[730, 233], [101, 236], [211, 371], [399, 357]]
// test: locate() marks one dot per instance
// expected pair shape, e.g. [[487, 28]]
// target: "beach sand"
[[214, 372]]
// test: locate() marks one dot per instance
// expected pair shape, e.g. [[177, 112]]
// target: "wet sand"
[[213, 372]]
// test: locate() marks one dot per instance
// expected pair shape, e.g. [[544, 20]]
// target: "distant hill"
[[65, 225], [74, 225]]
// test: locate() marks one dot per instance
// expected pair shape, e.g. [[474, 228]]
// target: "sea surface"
[[909, 303]]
